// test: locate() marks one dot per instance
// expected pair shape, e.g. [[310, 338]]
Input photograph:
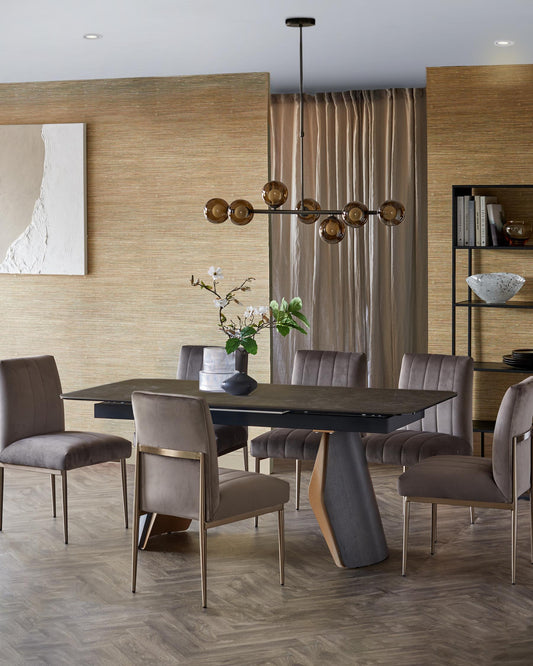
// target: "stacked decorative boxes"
[[217, 367]]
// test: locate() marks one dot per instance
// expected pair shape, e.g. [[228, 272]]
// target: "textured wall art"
[[43, 199]]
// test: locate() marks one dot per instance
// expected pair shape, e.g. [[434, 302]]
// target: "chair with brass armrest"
[[480, 482], [177, 474]]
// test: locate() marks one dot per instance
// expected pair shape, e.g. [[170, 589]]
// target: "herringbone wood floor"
[[72, 604]]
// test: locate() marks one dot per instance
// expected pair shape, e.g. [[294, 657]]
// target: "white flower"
[[262, 310], [220, 302], [249, 312], [215, 273]]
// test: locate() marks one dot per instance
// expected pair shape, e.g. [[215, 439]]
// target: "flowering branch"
[[241, 333]]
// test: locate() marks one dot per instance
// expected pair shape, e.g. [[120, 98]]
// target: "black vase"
[[239, 384]]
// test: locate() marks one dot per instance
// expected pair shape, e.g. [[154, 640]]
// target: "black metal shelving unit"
[[481, 426]]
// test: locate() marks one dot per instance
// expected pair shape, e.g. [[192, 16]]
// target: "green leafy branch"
[[282, 317]]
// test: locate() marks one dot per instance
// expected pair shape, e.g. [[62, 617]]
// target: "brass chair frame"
[[506, 506], [203, 524], [63, 474]]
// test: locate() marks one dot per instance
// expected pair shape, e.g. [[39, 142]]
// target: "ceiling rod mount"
[[300, 22]]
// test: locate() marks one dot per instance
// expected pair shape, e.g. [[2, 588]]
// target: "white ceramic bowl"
[[495, 287]]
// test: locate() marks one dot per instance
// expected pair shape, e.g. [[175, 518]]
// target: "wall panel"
[[479, 132], [157, 149]]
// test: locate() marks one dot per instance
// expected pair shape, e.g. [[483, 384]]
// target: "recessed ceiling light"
[[92, 35], [504, 42]]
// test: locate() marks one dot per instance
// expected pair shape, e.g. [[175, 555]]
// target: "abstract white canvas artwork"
[[43, 199]]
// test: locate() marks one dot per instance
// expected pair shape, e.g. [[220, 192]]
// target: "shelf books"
[[479, 221]]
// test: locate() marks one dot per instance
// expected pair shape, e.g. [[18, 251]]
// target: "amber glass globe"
[[275, 193], [355, 214], [332, 229], [216, 210], [309, 204], [241, 212], [391, 213]]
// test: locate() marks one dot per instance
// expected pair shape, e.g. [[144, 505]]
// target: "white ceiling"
[[354, 45]]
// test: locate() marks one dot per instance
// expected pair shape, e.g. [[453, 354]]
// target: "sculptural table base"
[[341, 496], [343, 500]]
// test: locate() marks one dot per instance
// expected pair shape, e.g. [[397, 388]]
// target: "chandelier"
[[332, 228]]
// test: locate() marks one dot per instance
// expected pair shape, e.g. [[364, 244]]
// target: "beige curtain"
[[369, 292]]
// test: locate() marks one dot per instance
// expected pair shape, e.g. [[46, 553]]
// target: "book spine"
[[482, 222], [478, 220], [460, 222], [471, 222]]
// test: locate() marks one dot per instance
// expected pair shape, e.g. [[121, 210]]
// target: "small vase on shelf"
[[517, 232]]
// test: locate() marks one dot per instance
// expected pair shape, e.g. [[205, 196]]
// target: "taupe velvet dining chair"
[[229, 438], [445, 428], [495, 483], [310, 368], [177, 474], [33, 435]]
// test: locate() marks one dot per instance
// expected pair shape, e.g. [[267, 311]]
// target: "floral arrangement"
[[241, 332]]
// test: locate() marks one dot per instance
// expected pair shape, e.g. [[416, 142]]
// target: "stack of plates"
[[520, 358]]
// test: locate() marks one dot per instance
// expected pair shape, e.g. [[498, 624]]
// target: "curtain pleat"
[[369, 292]]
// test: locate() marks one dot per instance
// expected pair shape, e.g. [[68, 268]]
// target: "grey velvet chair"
[[177, 474], [481, 482], [229, 438], [310, 368], [445, 428], [32, 430]]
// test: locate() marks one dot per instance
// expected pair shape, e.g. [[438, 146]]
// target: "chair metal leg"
[[245, 454], [281, 546], [136, 517], [298, 483], [472, 515], [203, 563], [257, 471], [124, 490], [65, 510], [530, 522], [53, 485], [514, 516], [433, 528], [405, 533], [1, 495]]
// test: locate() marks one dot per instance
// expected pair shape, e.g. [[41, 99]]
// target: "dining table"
[[341, 493]]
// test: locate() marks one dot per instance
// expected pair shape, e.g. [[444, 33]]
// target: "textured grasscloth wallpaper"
[[157, 150], [479, 133]]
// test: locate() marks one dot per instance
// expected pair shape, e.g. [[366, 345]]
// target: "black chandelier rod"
[[301, 23], [286, 211], [301, 115]]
